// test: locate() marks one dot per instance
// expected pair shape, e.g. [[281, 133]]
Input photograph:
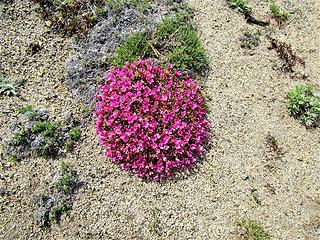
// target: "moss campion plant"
[[151, 120]]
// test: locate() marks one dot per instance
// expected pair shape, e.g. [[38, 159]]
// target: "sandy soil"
[[240, 177]]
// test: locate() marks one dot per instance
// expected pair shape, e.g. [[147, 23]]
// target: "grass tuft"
[[24, 109], [253, 230], [134, 48], [278, 13], [174, 41]]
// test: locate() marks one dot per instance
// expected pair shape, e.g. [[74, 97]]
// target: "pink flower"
[[151, 120]]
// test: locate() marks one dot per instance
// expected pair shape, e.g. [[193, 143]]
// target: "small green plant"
[[154, 226], [304, 103], [142, 5], [117, 5], [253, 230], [64, 168], [74, 135], [52, 138], [20, 138], [278, 13], [243, 5], [190, 54], [25, 109], [43, 137], [66, 182], [134, 48], [7, 88], [251, 39], [71, 16], [56, 212], [13, 158], [46, 128]]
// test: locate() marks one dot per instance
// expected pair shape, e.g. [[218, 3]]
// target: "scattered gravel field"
[[263, 164]]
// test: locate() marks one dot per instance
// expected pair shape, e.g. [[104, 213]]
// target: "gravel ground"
[[241, 178]]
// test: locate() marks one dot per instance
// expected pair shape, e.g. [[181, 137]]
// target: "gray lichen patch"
[[87, 63]]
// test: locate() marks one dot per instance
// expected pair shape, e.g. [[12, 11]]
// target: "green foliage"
[[142, 5], [64, 184], [42, 137], [253, 230], [173, 41], [170, 26], [56, 212], [117, 5], [243, 5], [13, 158], [47, 129], [304, 103], [24, 109], [189, 55], [78, 16], [251, 39], [180, 44], [20, 138], [66, 181], [154, 226], [278, 13], [134, 48], [48, 148], [7, 88], [75, 133], [51, 143], [71, 16]]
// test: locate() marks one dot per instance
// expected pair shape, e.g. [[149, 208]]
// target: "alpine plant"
[[151, 120]]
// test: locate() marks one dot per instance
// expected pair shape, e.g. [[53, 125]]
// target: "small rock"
[[3, 192], [44, 205], [48, 23], [244, 177]]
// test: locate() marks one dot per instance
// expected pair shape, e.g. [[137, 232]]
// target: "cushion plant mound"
[[151, 120]]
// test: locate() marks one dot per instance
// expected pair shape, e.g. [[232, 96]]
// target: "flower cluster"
[[151, 120]]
